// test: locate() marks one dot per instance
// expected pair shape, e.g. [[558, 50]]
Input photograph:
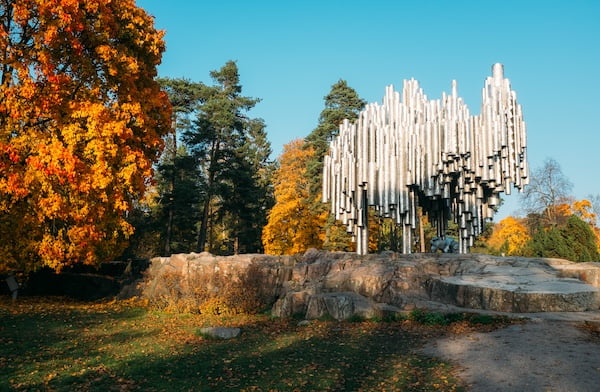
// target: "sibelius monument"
[[413, 152]]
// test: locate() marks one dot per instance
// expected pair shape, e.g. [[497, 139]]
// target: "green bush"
[[574, 241], [429, 318]]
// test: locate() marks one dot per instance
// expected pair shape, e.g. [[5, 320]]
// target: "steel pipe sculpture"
[[415, 152]]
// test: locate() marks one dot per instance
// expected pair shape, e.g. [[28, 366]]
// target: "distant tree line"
[[555, 225]]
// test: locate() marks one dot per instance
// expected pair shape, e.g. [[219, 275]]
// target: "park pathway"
[[548, 353]]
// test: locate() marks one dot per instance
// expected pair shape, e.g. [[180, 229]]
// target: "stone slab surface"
[[537, 287]]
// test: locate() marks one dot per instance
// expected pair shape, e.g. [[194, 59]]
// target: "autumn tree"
[[548, 188], [595, 201], [81, 121], [509, 236], [342, 102], [292, 226]]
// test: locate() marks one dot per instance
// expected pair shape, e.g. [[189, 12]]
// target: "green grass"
[[52, 345]]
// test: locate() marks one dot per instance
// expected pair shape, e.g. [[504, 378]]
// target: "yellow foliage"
[[81, 120], [510, 232], [291, 227], [581, 208]]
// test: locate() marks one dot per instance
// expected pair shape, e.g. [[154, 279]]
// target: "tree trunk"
[[169, 234], [210, 184], [203, 225]]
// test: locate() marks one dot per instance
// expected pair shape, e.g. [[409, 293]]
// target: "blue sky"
[[289, 53]]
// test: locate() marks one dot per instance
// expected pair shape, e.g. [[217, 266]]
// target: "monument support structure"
[[410, 152]]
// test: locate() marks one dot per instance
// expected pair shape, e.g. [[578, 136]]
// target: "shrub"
[[429, 318], [211, 294]]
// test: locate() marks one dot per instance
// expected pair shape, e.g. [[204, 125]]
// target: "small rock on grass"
[[220, 332]]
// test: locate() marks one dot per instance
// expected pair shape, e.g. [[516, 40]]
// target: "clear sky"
[[289, 53]]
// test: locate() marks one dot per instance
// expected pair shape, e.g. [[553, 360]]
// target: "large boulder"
[[322, 281], [342, 285], [194, 277]]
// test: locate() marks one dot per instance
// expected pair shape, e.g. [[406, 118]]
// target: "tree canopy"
[[548, 188], [342, 102], [292, 227], [233, 152], [574, 241], [81, 121], [509, 236]]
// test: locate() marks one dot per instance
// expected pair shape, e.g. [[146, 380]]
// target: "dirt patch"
[[541, 355]]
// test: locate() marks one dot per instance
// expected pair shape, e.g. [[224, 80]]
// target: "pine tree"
[[220, 139], [574, 241], [341, 103], [180, 181]]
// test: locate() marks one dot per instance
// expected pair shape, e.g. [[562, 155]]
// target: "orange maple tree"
[[581, 208], [292, 227], [510, 235], [81, 121]]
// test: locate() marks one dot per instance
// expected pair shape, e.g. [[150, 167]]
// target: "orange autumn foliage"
[[292, 227], [581, 208], [81, 121], [584, 210], [511, 234]]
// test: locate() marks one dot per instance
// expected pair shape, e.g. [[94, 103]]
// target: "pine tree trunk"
[[169, 234], [210, 184], [203, 226]]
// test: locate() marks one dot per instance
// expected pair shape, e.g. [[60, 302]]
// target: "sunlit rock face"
[[410, 151], [343, 285]]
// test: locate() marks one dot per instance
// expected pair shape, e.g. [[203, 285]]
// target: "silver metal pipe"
[[410, 148]]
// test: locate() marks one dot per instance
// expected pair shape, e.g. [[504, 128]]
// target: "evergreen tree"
[[260, 198], [220, 139], [179, 185], [574, 241], [341, 103], [178, 175], [581, 239], [249, 192], [165, 220]]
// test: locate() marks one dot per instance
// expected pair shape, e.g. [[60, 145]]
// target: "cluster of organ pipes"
[[411, 152]]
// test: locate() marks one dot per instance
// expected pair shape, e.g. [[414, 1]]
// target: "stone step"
[[526, 293]]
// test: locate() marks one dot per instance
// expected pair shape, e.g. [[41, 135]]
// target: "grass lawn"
[[54, 344]]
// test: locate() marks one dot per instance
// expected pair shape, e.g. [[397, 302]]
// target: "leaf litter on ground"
[[59, 344]]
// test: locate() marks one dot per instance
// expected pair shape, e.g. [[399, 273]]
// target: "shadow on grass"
[[38, 343], [128, 351]]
